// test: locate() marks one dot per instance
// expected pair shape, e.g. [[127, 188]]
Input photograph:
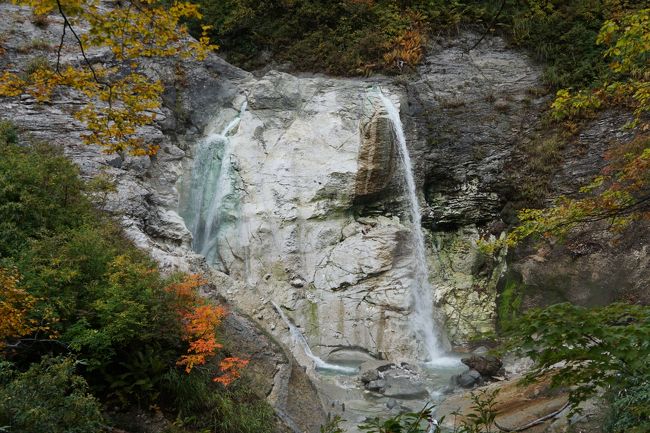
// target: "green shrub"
[[8, 133], [103, 301], [47, 398], [40, 192], [201, 404], [630, 409], [96, 292], [586, 350], [509, 304]]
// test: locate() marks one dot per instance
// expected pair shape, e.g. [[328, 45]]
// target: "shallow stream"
[[344, 394]]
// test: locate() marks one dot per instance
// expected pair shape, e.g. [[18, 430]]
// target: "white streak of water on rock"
[[299, 339]]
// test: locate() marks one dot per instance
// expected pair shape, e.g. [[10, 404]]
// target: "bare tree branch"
[[66, 22], [489, 27]]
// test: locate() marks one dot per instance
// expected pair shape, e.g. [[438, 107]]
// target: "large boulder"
[[391, 380], [486, 365]]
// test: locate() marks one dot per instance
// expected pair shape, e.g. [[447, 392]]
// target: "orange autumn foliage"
[[407, 49], [231, 368], [200, 320], [199, 326], [186, 288]]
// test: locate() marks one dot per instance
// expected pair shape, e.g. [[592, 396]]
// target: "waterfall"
[[210, 186], [299, 339], [423, 320]]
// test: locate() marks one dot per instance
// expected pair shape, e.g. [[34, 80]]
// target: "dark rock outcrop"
[[486, 365]]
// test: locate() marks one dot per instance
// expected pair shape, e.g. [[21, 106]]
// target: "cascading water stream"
[[423, 320], [299, 339], [210, 186]]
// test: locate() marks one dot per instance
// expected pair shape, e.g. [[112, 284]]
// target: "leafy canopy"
[[50, 397], [72, 283], [586, 350]]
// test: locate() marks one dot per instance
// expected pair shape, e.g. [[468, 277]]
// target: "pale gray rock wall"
[[304, 152]]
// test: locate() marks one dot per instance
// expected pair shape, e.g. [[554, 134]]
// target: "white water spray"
[[210, 186], [299, 339], [423, 320]]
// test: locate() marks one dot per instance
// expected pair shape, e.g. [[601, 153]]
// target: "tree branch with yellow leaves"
[[620, 194], [118, 103]]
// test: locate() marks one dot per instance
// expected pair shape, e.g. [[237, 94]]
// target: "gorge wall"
[[314, 217]]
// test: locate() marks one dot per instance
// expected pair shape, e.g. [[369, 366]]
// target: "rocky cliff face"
[[315, 218], [305, 151], [311, 201]]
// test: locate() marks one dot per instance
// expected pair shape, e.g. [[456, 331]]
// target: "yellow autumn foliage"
[[15, 304], [119, 99]]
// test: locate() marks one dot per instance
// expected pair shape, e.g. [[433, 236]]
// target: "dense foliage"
[[590, 351], [621, 193], [630, 410], [73, 287], [48, 398], [352, 37]]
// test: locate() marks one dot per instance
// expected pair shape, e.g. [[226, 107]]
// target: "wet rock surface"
[[467, 379], [391, 380]]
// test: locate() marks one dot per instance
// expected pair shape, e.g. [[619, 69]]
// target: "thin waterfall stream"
[[299, 339], [424, 323]]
